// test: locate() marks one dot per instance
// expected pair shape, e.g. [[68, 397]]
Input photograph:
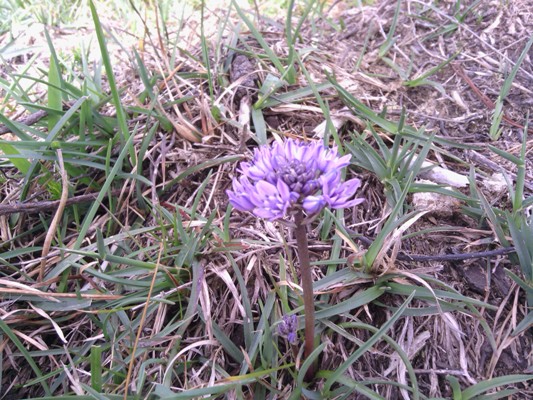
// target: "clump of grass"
[[497, 116]]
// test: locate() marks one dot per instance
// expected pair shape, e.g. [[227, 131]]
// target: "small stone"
[[495, 183], [437, 203]]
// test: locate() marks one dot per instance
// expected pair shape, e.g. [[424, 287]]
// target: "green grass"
[[156, 289]]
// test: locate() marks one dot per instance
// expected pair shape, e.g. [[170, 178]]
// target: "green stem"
[[307, 287]]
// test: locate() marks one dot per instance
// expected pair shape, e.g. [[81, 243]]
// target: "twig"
[[494, 166], [39, 206], [443, 257], [456, 257], [59, 213], [28, 120], [483, 97]]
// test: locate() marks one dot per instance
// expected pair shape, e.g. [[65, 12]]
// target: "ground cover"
[[127, 274]]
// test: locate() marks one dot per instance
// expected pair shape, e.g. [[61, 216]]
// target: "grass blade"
[[366, 346], [497, 116], [121, 115], [494, 383], [257, 35], [9, 333], [389, 41]]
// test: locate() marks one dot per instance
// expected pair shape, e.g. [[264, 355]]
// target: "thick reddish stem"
[[307, 287]]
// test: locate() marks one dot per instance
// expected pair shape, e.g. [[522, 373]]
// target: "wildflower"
[[290, 176], [288, 327], [290, 179]]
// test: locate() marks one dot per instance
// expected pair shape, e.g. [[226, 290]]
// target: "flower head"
[[293, 174], [288, 328]]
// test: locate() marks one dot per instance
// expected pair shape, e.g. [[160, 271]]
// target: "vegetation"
[[125, 272]]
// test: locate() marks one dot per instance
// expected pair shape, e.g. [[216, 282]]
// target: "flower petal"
[[270, 214], [240, 201], [239, 196], [346, 204], [265, 189], [340, 196], [313, 204]]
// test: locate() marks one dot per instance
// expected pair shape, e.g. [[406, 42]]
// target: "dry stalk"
[[58, 214], [51, 296], [141, 323]]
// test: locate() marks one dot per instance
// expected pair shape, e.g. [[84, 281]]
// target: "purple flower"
[[288, 328], [285, 176]]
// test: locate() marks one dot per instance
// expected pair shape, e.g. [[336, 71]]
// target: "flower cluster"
[[288, 328], [285, 176]]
